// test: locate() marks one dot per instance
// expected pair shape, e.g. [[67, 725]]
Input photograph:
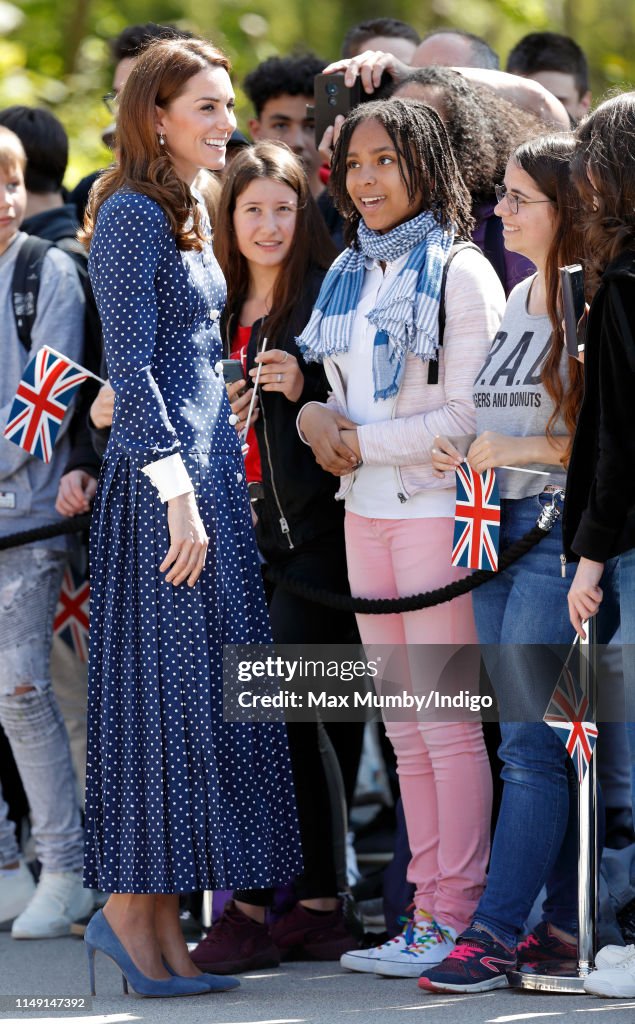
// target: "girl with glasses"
[[527, 396]]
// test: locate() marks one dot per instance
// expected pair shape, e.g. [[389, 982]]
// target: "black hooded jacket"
[[599, 511], [298, 506]]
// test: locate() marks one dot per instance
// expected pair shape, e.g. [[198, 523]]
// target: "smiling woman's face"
[[529, 232], [198, 123], [373, 179], [264, 221]]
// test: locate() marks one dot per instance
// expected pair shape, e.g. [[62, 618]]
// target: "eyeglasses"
[[111, 100], [514, 202]]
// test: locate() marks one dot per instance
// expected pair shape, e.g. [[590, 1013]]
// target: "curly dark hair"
[[604, 174], [484, 128], [547, 160], [276, 76], [426, 163]]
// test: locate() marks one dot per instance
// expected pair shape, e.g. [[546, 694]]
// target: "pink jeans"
[[444, 773]]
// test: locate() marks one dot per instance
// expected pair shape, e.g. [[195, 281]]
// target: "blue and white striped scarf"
[[407, 315]]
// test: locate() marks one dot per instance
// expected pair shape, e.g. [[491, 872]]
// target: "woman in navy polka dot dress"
[[177, 799]]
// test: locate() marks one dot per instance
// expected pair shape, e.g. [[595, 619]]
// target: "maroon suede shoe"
[[303, 935], [236, 943]]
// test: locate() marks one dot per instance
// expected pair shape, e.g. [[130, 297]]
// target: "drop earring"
[[161, 139]]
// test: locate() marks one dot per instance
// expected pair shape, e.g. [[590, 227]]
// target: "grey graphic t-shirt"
[[509, 395]]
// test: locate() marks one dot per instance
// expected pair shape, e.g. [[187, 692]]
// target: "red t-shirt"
[[253, 467]]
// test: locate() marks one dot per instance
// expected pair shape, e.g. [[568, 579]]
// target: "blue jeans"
[[30, 580], [627, 608], [518, 614]]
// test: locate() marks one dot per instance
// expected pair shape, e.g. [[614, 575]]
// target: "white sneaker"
[[617, 982], [429, 943], [16, 889], [59, 899], [364, 960], [610, 956]]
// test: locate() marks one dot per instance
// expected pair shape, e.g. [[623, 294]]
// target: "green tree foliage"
[[55, 52]]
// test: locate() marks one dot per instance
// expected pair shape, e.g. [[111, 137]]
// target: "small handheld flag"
[[71, 617], [477, 519], [569, 715], [44, 394]]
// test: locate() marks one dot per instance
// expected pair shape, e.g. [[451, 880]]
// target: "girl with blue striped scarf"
[[395, 378]]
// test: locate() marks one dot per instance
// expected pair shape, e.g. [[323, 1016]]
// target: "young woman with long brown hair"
[[274, 249], [527, 396], [177, 799]]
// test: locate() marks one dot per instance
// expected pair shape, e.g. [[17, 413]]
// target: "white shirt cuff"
[[169, 476], [298, 417]]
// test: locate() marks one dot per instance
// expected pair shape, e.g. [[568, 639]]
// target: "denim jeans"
[[627, 608], [30, 579], [518, 614]]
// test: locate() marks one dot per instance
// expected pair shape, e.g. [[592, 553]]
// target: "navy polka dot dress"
[[177, 800]]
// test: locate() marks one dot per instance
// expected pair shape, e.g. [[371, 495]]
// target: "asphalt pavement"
[[297, 993]]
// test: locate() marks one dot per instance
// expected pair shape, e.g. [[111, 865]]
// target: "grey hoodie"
[[28, 486]]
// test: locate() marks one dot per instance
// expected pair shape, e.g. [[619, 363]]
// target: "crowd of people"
[[389, 300]]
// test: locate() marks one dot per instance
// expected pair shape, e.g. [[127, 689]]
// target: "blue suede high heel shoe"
[[214, 982], [100, 936]]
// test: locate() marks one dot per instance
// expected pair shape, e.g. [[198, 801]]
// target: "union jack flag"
[[569, 715], [71, 618], [477, 519], [48, 384]]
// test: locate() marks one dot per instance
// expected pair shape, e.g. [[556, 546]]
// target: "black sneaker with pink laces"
[[477, 963]]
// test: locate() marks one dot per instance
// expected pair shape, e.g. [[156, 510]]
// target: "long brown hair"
[[159, 75], [426, 163], [606, 151], [547, 161], [311, 245]]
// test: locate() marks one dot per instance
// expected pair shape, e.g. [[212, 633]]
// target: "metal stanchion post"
[[567, 975]]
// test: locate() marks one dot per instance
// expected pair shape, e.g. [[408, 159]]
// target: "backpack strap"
[[433, 365], [25, 285]]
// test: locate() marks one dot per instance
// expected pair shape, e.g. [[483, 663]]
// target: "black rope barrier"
[[78, 524], [384, 606], [341, 602]]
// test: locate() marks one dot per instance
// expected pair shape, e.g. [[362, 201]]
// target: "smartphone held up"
[[573, 308]]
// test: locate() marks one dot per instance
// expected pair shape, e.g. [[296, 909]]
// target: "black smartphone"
[[573, 306], [232, 370], [332, 97]]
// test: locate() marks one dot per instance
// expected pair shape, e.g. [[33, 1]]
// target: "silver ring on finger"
[[279, 378]]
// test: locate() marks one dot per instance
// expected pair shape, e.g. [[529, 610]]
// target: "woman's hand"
[[76, 490], [188, 541], [330, 137], [585, 596], [351, 440], [103, 407], [445, 457], [239, 399], [369, 66], [321, 427], [280, 372], [491, 449]]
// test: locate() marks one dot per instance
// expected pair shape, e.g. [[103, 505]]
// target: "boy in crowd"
[[558, 63], [280, 89], [30, 580], [387, 34]]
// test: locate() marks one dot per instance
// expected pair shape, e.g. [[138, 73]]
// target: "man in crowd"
[[558, 63], [388, 34]]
